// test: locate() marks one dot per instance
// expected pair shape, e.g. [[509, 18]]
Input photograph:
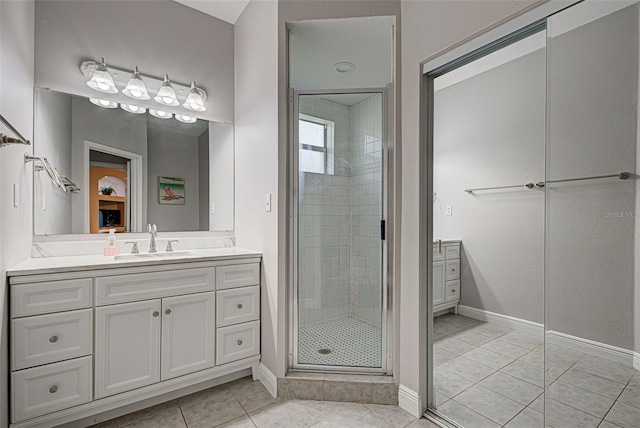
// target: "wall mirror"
[[129, 170]]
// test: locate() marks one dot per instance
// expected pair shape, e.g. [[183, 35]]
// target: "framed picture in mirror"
[[171, 191]]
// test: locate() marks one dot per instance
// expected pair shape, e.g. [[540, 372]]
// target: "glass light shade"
[[133, 109], [136, 87], [160, 114], [185, 119], [103, 103], [194, 100], [102, 80], [166, 94]]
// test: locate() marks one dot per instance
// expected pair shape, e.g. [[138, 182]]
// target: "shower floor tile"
[[351, 342]]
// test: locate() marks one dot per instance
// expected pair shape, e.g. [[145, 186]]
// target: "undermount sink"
[[170, 254]]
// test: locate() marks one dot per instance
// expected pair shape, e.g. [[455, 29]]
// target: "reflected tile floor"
[[490, 376], [247, 404]]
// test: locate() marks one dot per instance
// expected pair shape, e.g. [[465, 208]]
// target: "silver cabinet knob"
[[53, 339], [168, 311], [156, 313], [239, 305], [239, 342], [53, 389]]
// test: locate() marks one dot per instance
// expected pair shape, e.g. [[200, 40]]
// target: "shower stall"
[[339, 179]]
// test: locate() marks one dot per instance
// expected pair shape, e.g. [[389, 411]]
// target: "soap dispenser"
[[111, 249]]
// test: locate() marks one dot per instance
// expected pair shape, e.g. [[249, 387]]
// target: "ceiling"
[[315, 46], [227, 10]]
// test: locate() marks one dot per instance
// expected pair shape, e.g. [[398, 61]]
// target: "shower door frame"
[[386, 327]]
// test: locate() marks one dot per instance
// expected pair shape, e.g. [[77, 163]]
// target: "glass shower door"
[[339, 320], [592, 297]]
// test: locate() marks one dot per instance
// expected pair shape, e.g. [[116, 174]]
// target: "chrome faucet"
[[153, 230]]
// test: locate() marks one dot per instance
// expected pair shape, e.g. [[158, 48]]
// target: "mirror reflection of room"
[[488, 270], [130, 169]]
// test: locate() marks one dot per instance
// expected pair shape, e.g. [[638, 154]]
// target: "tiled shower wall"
[[324, 227], [339, 214], [366, 209]]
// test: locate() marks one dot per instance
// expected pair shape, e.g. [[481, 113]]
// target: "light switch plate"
[[267, 202], [16, 195]]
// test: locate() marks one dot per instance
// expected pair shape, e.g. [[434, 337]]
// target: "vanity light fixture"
[[136, 87], [133, 109], [160, 114], [166, 94], [101, 80], [185, 119], [195, 99], [103, 103]]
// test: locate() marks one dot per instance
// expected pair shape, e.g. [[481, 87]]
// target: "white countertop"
[[45, 265], [448, 241]]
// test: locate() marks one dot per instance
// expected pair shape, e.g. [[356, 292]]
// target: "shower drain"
[[324, 351]]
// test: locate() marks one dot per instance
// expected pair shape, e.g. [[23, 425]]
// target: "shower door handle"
[[383, 231]]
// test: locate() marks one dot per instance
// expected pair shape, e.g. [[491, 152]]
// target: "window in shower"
[[339, 288], [316, 138]]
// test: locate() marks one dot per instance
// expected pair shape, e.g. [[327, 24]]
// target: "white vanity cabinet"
[[95, 340], [446, 275]]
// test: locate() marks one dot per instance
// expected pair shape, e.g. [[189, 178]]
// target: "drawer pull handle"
[[168, 311], [53, 339], [239, 342], [53, 389], [239, 305], [156, 313]]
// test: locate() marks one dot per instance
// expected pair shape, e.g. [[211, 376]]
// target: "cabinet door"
[[188, 334], [127, 353], [438, 283]]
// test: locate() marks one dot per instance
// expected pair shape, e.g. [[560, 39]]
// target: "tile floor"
[[490, 376], [352, 343], [247, 404]]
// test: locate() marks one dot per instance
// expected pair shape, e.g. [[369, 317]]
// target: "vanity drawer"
[[451, 252], [52, 296], [50, 388], [238, 305], [49, 338], [237, 342], [237, 275], [452, 290], [452, 270], [153, 285]]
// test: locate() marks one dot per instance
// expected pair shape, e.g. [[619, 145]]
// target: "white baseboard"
[[269, 380], [409, 401], [502, 320], [598, 349]]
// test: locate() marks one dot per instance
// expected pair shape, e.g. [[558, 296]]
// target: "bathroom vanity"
[[446, 275], [90, 334]]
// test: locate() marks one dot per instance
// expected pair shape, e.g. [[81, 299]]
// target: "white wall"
[[258, 163], [221, 170], [16, 105], [53, 119], [158, 36], [490, 131], [203, 177], [173, 155], [427, 28], [593, 115]]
